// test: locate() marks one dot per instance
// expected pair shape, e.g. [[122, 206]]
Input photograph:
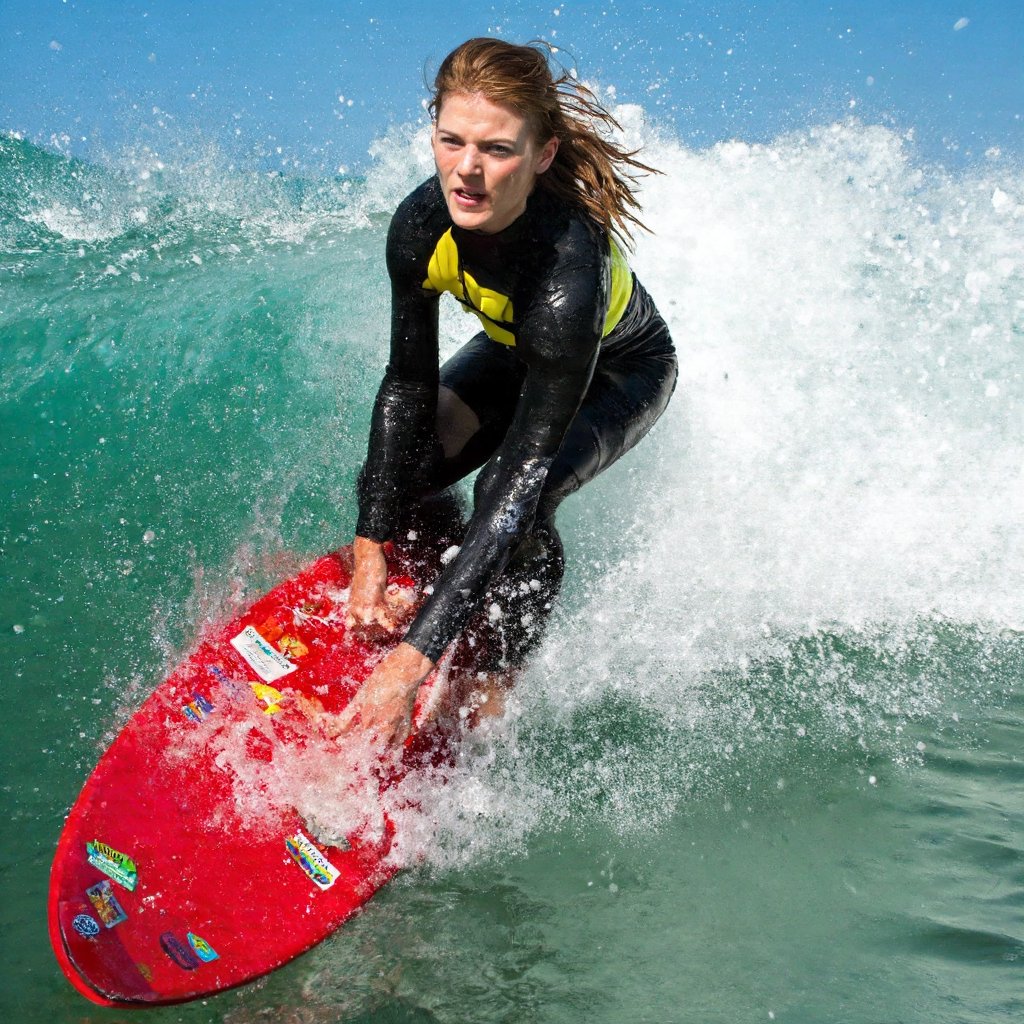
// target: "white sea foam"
[[75, 224], [845, 446]]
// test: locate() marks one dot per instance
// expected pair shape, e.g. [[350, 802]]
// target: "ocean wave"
[[833, 494]]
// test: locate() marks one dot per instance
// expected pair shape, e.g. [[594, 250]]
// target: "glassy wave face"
[[767, 762]]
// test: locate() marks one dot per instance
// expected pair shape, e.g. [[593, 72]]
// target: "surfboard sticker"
[[268, 663], [179, 952], [317, 868], [202, 948], [116, 865], [270, 697], [198, 708], [104, 902], [86, 926]]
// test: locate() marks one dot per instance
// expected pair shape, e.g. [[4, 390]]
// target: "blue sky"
[[310, 85]]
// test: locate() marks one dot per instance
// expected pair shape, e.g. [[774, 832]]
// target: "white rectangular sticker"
[[268, 663]]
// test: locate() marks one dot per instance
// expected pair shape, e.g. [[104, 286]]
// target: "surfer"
[[523, 224]]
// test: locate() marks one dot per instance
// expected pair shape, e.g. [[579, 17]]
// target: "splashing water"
[[801, 593]]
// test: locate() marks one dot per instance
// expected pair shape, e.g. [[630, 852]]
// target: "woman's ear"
[[547, 154]]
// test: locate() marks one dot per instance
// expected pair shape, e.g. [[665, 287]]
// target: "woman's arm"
[[402, 424], [507, 492], [560, 315], [371, 608]]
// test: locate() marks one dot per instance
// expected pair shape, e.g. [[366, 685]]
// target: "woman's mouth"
[[468, 197]]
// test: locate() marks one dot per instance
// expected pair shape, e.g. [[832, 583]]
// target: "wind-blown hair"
[[588, 171]]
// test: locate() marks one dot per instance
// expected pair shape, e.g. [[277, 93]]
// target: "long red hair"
[[588, 171]]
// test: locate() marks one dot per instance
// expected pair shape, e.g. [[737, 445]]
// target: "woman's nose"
[[469, 163]]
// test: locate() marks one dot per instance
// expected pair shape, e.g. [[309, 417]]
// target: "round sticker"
[[86, 926]]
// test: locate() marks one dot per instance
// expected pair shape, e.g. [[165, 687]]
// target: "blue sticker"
[[202, 948], [178, 951], [197, 708], [226, 682], [86, 926]]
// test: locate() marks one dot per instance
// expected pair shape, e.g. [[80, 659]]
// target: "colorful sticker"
[[104, 902], [267, 662], [292, 646], [273, 632], [197, 708], [178, 951], [202, 948], [320, 871], [314, 608], [86, 926], [119, 866], [271, 698]]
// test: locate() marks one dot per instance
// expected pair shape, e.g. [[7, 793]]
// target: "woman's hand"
[[373, 612], [382, 707]]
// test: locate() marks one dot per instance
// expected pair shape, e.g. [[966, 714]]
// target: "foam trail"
[[845, 447]]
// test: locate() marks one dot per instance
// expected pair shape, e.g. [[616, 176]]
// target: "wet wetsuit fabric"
[[556, 402]]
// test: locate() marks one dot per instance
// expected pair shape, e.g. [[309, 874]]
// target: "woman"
[[572, 368]]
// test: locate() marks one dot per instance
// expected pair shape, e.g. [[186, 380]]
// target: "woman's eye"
[[501, 151]]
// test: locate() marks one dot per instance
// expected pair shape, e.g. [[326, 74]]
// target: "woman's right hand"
[[373, 612]]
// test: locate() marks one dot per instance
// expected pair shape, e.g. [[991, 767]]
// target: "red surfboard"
[[186, 866]]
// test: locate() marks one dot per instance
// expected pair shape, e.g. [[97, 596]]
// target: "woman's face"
[[487, 161]]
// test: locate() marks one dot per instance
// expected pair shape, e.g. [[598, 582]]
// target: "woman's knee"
[[457, 423]]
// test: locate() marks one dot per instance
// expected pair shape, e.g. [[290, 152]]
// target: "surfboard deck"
[[185, 868]]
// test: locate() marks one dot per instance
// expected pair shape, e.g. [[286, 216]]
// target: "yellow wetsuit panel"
[[621, 290], [444, 274]]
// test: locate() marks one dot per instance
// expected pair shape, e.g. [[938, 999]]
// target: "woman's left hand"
[[383, 705]]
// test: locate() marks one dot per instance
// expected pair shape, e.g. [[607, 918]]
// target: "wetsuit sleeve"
[[402, 424], [558, 337]]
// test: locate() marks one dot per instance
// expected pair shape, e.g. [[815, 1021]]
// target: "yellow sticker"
[[271, 698]]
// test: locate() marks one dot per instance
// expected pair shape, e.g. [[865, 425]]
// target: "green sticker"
[[116, 865]]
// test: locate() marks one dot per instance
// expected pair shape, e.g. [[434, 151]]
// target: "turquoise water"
[[767, 765]]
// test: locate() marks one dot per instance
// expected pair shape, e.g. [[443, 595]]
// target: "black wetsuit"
[[557, 402]]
